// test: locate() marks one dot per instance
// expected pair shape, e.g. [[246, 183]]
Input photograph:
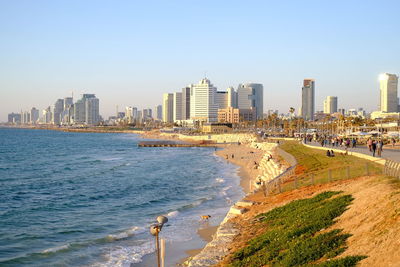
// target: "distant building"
[[168, 108], [34, 115], [25, 117], [177, 110], [330, 104], [129, 115], [186, 103], [217, 128], [86, 110], [229, 114], [308, 99], [47, 116], [14, 118], [232, 97], [158, 112], [147, 114], [57, 111], [235, 115], [202, 102], [250, 95], [389, 100], [221, 99]]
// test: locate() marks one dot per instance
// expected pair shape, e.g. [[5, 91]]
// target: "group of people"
[[376, 147]]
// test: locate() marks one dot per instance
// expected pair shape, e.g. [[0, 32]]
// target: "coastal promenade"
[[387, 153]]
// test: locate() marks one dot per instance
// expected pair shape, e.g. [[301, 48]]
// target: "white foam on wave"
[[124, 234], [220, 180], [125, 256], [56, 249], [172, 214]]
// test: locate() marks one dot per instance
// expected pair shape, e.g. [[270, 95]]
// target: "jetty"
[[174, 144]]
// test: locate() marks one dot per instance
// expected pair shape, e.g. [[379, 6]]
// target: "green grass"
[[294, 235], [317, 163]]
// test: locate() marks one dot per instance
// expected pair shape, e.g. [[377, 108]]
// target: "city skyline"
[[49, 49]]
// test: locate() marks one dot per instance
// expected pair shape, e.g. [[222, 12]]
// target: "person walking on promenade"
[[379, 147], [369, 144], [393, 141], [354, 142], [373, 147]]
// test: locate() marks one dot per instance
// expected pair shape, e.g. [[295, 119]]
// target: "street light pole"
[[155, 230]]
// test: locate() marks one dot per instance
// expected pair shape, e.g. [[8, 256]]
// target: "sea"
[[88, 199]]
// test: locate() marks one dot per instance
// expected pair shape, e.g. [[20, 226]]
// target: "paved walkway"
[[392, 154]]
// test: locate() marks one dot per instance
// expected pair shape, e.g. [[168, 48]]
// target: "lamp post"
[[155, 229]]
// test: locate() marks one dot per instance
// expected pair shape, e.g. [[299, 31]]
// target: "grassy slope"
[[294, 235], [316, 162]]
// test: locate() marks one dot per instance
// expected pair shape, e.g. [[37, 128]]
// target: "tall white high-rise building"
[[250, 95], [47, 115], [221, 99], [232, 97], [168, 108], [330, 104], [389, 100], [202, 101], [129, 114], [186, 103], [308, 99], [177, 106]]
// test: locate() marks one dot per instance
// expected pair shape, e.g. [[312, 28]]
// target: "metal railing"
[[392, 168], [289, 180]]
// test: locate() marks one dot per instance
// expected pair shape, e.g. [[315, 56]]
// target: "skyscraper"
[[330, 104], [34, 115], [308, 99], [186, 103], [202, 101], [232, 97], [92, 109], [158, 112], [58, 109], [250, 95], [221, 99], [389, 100], [86, 110], [177, 106], [168, 108]]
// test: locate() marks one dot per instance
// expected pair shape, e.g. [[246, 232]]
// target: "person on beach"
[[369, 144], [373, 147], [393, 141], [379, 147], [354, 143]]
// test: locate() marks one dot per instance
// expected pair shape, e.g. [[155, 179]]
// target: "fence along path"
[[288, 180]]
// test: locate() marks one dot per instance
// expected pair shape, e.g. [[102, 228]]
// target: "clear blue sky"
[[130, 52]]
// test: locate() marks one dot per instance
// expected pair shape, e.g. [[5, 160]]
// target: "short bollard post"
[[295, 182], [366, 169], [312, 179], [279, 186], [348, 172], [330, 175]]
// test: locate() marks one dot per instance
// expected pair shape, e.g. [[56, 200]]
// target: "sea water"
[[88, 199]]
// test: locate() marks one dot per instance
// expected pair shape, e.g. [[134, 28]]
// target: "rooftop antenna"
[[117, 110], [205, 74]]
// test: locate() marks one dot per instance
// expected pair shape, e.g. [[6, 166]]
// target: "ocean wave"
[[125, 234], [56, 249], [220, 180]]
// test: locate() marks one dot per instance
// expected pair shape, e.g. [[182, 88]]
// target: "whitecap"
[[124, 234], [56, 249], [220, 180]]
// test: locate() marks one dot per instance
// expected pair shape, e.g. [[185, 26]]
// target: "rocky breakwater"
[[270, 165]]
